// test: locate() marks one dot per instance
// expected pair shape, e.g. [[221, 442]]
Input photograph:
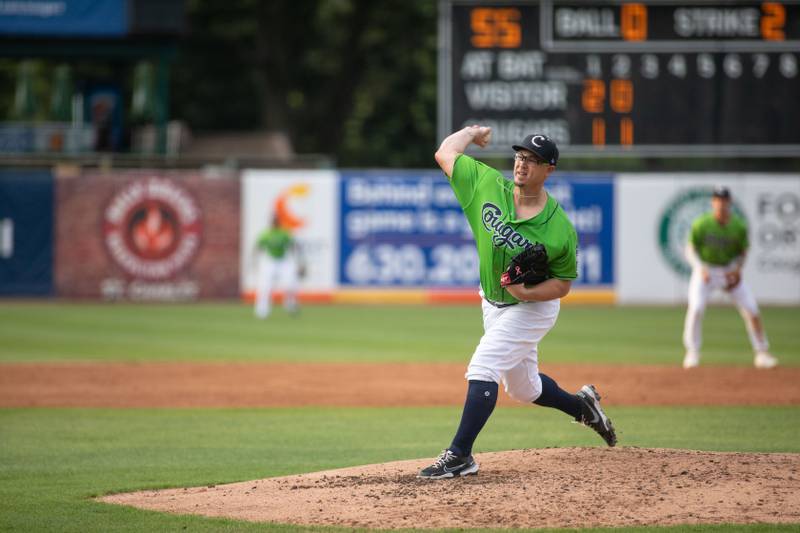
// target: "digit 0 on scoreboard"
[[633, 22], [621, 96], [650, 77]]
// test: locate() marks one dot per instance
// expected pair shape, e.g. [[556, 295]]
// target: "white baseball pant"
[[508, 351], [270, 268], [700, 291]]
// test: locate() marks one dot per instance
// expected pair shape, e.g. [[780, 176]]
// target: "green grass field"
[[53, 461], [33, 331]]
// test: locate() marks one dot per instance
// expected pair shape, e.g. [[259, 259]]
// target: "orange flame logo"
[[286, 218]]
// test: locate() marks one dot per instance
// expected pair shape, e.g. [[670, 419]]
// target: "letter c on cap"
[[533, 140]]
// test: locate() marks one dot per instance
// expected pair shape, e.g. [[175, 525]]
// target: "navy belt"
[[500, 305]]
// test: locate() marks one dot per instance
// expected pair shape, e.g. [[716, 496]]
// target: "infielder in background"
[[716, 250], [278, 257], [506, 218]]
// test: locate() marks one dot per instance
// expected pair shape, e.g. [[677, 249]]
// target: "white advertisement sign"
[[307, 202], [653, 217]]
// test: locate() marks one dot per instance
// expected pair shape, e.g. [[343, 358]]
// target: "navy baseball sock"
[[556, 397], [481, 399]]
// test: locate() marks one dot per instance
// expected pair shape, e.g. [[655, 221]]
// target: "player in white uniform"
[[277, 259], [716, 250]]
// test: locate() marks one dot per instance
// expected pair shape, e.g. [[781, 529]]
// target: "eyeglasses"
[[529, 159]]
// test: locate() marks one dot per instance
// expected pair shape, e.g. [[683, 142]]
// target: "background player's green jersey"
[[716, 244], [487, 199], [275, 241]]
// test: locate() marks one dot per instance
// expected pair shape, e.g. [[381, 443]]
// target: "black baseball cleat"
[[449, 465], [592, 414]]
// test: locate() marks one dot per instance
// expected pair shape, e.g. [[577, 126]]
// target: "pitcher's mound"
[[566, 487]]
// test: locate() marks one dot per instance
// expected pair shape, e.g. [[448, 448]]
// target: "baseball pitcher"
[[716, 250], [527, 249]]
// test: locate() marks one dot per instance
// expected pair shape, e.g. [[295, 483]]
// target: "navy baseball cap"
[[541, 145], [720, 191]]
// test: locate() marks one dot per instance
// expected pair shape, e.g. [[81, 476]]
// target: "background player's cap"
[[541, 145], [720, 191]]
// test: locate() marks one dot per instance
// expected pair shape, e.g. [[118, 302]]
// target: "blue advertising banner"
[[26, 233], [77, 18], [589, 203], [406, 229]]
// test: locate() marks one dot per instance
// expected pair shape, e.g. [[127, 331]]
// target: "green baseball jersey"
[[487, 199], [275, 241], [716, 244]]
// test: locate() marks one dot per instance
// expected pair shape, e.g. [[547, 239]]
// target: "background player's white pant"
[[508, 351], [269, 268], [699, 293]]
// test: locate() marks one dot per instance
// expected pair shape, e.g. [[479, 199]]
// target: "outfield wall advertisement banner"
[[26, 233], [589, 203], [405, 228], [306, 201], [654, 217], [147, 235]]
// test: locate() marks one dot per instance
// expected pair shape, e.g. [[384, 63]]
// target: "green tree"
[[352, 78]]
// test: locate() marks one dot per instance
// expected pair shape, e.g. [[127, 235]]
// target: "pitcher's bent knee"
[[528, 393]]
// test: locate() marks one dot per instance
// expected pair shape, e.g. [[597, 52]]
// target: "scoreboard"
[[653, 78]]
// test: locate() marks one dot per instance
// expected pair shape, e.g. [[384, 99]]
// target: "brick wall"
[[86, 267]]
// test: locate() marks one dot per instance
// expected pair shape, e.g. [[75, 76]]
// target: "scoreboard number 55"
[[496, 27]]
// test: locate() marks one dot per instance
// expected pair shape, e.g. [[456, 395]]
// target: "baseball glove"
[[732, 279], [528, 267]]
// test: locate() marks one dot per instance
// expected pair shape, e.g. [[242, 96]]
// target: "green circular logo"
[[676, 223]]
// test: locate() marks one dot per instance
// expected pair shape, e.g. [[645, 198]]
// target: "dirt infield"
[[369, 384], [573, 487], [576, 487]]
